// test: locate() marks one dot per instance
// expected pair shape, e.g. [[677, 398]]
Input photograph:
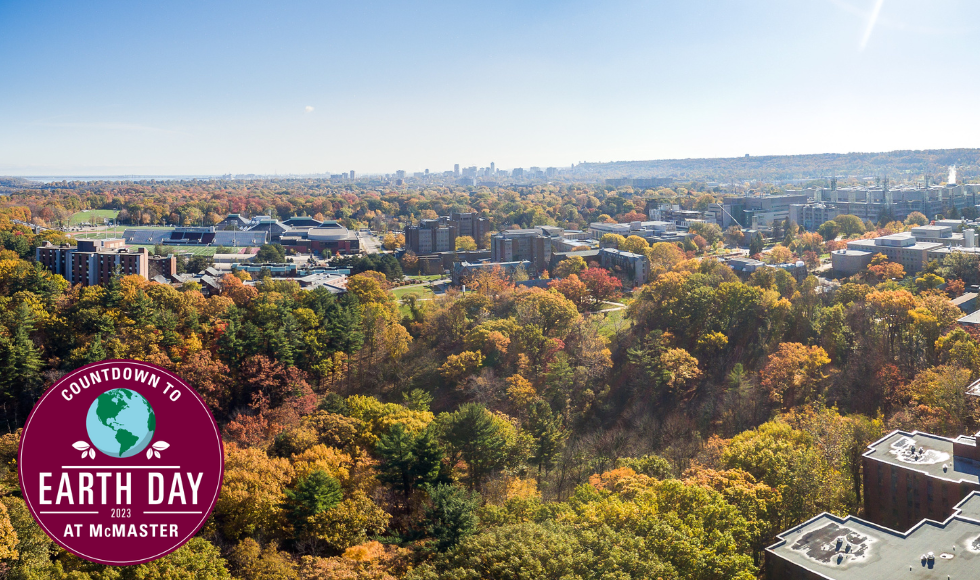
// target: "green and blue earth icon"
[[120, 423]]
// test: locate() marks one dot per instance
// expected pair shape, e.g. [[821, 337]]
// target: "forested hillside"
[[508, 432]]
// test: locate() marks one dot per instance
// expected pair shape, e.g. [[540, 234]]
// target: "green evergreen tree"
[[314, 494], [473, 436], [96, 351], [451, 514], [756, 244], [546, 429], [113, 295], [21, 381], [409, 461]]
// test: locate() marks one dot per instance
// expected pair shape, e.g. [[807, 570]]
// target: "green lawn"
[[610, 322], [119, 229], [422, 291], [93, 216], [425, 278]]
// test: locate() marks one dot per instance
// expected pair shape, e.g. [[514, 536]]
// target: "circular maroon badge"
[[120, 462]]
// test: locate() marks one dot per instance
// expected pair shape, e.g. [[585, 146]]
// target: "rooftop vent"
[[906, 451]]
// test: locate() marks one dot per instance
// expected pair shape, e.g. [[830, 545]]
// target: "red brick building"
[[93, 262], [912, 476]]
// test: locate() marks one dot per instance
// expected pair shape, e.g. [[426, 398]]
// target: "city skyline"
[[308, 88]]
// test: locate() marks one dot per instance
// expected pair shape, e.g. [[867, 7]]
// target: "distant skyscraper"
[[456, 170], [352, 175], [493, 168], [400, 174]]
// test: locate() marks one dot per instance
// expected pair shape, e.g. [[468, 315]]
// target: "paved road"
[[616, 306], [369, 244]]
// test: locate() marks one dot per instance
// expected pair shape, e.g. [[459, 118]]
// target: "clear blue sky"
[[202, 87]]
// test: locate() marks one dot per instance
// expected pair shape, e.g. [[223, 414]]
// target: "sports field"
[[92, 216]]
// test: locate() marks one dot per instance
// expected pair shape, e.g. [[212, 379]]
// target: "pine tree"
[[548, 435], [95, 352], [452, 514], [409, 461], [314, 494], [21, 381], [475, 437]]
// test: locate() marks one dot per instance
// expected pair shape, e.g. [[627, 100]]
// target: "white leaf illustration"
[[157, 454], [161, 445], [91, 453], [80, 445], [84, 453], [149, 453]]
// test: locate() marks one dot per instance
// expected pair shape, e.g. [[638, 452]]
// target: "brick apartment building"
[[94, 262], [528, 245], [911, 476], [439, 235], [921, 520], [431, 236], [470, 224], [828, 547]]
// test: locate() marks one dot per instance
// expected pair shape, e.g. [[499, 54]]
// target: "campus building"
[[754, 211], [463, 270], [913, 249], [874, 204], [472, 225], [634, 267], [439, 235], [525, 245], [431, 236], [832, 548], [311, 236], [911, 476], [95, 262], [922, 517], [652, 231]]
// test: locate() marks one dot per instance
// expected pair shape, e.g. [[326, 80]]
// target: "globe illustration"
[[120, 423]]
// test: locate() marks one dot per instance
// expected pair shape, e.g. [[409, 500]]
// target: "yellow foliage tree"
[[458, 366], [252, 493]]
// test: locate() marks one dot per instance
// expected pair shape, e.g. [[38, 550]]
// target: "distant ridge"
[[896, 164]]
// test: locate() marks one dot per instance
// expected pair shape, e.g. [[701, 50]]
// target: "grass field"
[[422, 291], [611, 322], [93, 216], [425, 278]]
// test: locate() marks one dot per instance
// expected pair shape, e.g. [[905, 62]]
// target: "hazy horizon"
[[305, 87], [436, 171]]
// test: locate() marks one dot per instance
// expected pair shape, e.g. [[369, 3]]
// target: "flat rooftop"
[[873, 247], [964, 298], [950, 250], [851, 548], [929, 454]]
